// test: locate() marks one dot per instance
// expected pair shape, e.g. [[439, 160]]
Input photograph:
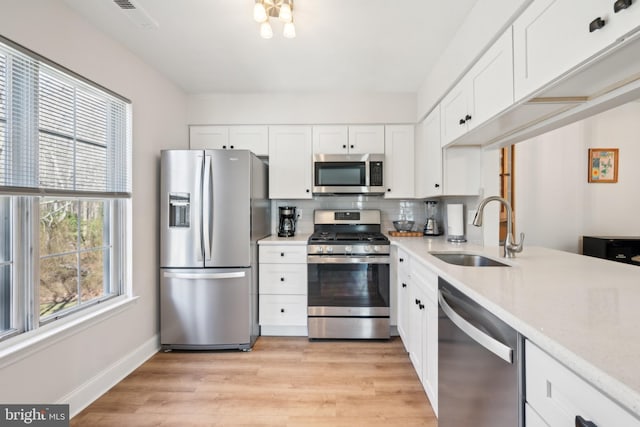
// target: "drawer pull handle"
[[467, 118], [421, 306], [621, 5], [596, 24], [581, 422], [417, 301], [462, 121]]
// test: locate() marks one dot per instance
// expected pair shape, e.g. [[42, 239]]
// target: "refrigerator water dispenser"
[[179, 204]]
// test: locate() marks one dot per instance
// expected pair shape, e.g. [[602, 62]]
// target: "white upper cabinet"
[[552, 37], [485, 91], [342, 139], [399, 161], [252, 138], [329, 139], [428, 158], [366, 139], [290, 162]]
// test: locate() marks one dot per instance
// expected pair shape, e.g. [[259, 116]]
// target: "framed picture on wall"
[[603, 165]]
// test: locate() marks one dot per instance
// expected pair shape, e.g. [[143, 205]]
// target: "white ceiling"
[[209, 46]]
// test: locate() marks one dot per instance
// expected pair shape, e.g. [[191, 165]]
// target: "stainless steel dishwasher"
[[479, 365]]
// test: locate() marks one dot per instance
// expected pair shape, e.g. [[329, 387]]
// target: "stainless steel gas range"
[[348, 276]]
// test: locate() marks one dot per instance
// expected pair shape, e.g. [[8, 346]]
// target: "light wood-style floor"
[[282, 382]]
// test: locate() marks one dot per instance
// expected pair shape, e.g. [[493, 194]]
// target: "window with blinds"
[[64, 159]]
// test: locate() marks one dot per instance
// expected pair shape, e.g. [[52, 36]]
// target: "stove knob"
[[376, 248], [320, 249], [329, 249], [367, 248], [348, 249]]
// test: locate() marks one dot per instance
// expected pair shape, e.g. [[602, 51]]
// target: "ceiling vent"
[[137, 14]]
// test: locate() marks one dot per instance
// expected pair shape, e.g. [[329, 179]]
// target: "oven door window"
[[340, 174], [348, 285]]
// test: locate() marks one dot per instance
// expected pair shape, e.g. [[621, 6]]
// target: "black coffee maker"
[[287, 223]]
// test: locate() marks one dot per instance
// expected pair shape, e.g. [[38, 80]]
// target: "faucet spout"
[[511, 247]]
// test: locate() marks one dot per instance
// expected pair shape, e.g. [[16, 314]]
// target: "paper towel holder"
[[455, 223]]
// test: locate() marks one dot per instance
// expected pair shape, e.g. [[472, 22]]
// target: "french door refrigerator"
[[214, 209]]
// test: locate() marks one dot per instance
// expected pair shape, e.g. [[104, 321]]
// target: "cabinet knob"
[[421, 306], [466, 119], [462, 121], [388, 190], [437, 185], [344, 145], [282, 310], [282, 279], [307, 190], [351, 146], [224, 147], [581, 422], [404, 285], [621, 5], [401, 259], [596, 24], [417, 301], [231, 146], [281, 253]]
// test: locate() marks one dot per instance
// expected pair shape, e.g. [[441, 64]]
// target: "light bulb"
[[285, 14], [265, 30], [289, 30], [259, 12]]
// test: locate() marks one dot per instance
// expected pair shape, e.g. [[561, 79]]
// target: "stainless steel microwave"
[[348, 173]]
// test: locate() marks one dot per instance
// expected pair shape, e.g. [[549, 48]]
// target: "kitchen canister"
[[455, 223]]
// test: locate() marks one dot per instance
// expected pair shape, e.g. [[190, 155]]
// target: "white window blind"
[[60, 135]]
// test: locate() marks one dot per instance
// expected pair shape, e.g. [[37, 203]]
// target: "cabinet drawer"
[[558, 395], [531, 418], [283, 254], [283, 279], [283, 310], [426, 279]]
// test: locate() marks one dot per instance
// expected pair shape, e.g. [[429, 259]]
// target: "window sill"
[[23, 345]]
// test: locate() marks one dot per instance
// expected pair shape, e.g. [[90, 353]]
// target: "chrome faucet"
[[511, 248]]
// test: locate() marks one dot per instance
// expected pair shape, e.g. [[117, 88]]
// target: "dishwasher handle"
[[494, 346]]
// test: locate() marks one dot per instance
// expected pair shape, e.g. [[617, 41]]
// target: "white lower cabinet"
[[283, 289], [556, 396], [418, 320]]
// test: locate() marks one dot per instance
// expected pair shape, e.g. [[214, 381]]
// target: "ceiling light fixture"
[[281, 9]]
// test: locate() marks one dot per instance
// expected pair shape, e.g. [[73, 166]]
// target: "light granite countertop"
[[583, 311]]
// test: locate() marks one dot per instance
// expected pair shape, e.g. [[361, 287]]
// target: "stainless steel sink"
[[467, 259]]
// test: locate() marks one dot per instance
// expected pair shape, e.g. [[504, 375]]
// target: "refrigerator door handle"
[[232, 275], [207, 201]]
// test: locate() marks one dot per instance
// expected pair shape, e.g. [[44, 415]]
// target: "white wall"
[[309, 108], [159, 121], [555, 203], [485, 22]]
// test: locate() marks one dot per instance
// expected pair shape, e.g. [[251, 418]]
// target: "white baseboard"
[[284, 331], [91, 390]]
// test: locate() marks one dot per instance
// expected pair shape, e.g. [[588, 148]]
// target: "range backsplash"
[[391, 210]]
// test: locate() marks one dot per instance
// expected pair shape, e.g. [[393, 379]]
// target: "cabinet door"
[[552, 36], [454, 109], [403, 297], [491, 82], [399, 161], [330, 140], [417, 327], [208, 137], [252, 138], [432, 165], [366, 139], [462, 166], [290, 162]]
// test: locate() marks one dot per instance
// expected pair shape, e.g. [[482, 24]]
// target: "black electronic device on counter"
[[615, 248]]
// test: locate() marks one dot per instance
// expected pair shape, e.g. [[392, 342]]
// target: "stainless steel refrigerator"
[[214, 209]]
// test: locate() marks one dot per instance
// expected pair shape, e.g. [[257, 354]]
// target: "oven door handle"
[[346, 259]]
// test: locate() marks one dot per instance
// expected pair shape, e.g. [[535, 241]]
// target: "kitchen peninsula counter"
[[583, 311]]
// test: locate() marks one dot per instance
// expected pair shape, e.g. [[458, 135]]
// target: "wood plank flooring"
[[284, 381]]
